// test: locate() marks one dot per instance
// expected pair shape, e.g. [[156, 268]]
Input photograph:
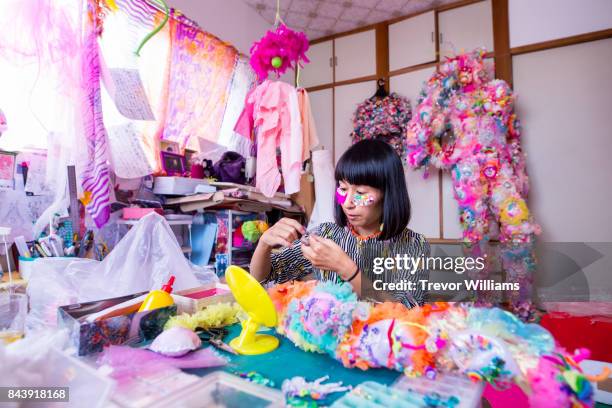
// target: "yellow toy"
[[257, 304]]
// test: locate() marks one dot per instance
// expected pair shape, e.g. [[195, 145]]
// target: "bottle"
[[158, 298]]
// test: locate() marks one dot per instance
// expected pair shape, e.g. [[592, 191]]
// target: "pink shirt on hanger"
[[276, 115]]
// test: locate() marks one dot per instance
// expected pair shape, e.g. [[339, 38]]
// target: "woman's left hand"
[[325, 254]]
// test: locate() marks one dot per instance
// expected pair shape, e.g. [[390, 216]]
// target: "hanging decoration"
[[465, 122], [484, 344], [201, 70], [95, 179], [279, 50], [157, 29]]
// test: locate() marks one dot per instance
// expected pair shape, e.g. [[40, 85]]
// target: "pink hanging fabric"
[[95, 179], [200, 74]]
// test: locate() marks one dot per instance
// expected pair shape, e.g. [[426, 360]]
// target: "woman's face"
[[362, 205]]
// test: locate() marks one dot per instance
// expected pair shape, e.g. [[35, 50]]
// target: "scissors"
[[215, 336]]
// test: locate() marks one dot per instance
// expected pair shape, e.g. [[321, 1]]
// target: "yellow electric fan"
[[257, 304]]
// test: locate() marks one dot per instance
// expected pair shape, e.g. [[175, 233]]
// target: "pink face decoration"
[[358, 200], [340, 196]]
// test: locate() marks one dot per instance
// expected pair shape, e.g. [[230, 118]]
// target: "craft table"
[[288, 361]]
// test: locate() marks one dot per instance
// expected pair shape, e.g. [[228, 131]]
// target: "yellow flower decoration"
[[514, 211]]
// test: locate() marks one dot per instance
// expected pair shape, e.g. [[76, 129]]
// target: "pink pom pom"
[[288, 45], [546, 390]]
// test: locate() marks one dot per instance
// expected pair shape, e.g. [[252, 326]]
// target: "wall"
[[543, 20], [563, 103], [231, 20]]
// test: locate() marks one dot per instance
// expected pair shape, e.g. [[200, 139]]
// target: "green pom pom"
[[276, 62], [250, 231]]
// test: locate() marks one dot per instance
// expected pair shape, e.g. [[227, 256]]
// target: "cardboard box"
[[195, 299], [131, 328]]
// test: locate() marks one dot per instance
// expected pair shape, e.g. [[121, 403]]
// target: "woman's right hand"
[[283, 233]]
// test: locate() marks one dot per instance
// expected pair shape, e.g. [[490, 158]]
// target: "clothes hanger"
[[381, 90]]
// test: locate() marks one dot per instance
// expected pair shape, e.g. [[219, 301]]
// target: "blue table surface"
[[288, 361]]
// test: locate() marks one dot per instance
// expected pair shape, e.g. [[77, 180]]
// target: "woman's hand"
[[325, 254], [283, 233]]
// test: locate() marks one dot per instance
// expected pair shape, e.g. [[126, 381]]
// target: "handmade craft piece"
[[175, 342], [252, 230], [373, 395], [255, 377], [278, 50], [297, 388], [485, 344], [465, 122], [383, 118], [213, 316]]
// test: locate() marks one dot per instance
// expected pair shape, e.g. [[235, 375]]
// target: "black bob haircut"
[[376, 164]]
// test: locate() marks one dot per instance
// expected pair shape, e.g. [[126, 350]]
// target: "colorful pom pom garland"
[[485, 344]]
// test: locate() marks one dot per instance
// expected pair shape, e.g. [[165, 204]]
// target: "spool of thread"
[[197, 171]]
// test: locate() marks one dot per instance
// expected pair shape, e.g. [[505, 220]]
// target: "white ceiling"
[[318, 18]]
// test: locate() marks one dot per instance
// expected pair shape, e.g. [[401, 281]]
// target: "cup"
[[13, 311]]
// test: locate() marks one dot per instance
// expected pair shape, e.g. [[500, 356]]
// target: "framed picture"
[[173, 164], [7, 170], [170, 147]]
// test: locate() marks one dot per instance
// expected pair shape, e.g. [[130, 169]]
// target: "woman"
[[371, 218]]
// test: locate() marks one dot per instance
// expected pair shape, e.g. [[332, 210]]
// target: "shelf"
[[170, 222]]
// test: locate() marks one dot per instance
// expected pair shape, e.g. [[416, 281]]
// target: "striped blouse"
[[289, 263]]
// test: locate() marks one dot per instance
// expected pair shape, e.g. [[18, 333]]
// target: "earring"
[[381, 226]]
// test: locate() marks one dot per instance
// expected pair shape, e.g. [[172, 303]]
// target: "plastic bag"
[[143, 260], [38, 361]]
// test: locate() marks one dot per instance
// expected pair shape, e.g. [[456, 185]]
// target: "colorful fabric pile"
[[464, 122], [486, 344], [383, 118]]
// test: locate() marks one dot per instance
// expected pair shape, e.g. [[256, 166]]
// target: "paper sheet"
[[36, 182], [7, 171], [127, 90], [128, 156]]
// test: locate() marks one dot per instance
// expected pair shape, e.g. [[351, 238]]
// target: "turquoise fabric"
[[288, 361]]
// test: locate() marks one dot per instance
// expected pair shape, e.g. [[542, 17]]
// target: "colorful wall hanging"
[[485, 344], [201, 69]]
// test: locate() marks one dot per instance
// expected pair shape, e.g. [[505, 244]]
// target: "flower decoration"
[[514, 211], [279, 50]]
